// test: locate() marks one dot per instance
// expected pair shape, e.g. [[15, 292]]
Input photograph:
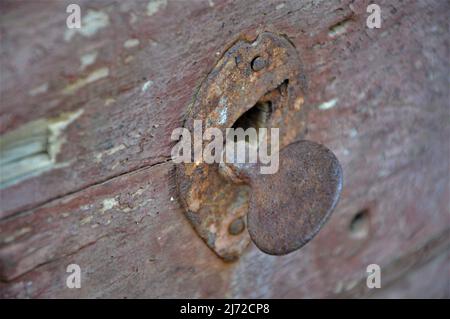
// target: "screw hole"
[[236, 227], [258, 63], [359, 226]]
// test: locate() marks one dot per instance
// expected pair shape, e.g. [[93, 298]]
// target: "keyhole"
[[257, 117]]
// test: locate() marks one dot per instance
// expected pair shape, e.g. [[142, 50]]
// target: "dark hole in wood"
[[359, 226]]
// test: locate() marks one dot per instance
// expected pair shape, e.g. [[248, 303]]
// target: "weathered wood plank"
[[138, 94], [130, 237]]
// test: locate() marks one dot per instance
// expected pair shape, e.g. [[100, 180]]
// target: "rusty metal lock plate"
[[249, 74]]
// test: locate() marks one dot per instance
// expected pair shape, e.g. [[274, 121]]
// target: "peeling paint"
[[56, 127], [92, 77], [339, 28], [39, 89], [115, 165], [16, 235], [109, 152], [139, 192], [87, 59], [298, 103], [280, 6], [131, 43], [33, 148], [146, 86], [86, 220], [155, 5], [328, 105], [115, 149], [90, 24], [86, 207], [109, 203]]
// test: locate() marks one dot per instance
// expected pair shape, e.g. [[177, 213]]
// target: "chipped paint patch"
[[328, 105], [87, 60], [16, 235], [298, 103], [339, 28], [146, 86], [155, 5], [33, 148], [92, 77], [131, 43], [113, 150], [115, 165], [139, 192], [38, 90], [280, 6], [85, 207], [109, 203], [109, 152], [86, 220], [55, 128], [90, 24]]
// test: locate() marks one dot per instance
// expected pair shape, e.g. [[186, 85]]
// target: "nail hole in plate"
[[258, 63], [236, 227]]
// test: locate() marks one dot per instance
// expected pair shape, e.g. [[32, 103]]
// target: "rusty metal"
[[287, 209], [213, 202]]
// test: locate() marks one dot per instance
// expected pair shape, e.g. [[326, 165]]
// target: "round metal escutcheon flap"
[[255, 84]]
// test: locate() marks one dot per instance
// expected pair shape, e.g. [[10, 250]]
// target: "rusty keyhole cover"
[[255, 84]]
